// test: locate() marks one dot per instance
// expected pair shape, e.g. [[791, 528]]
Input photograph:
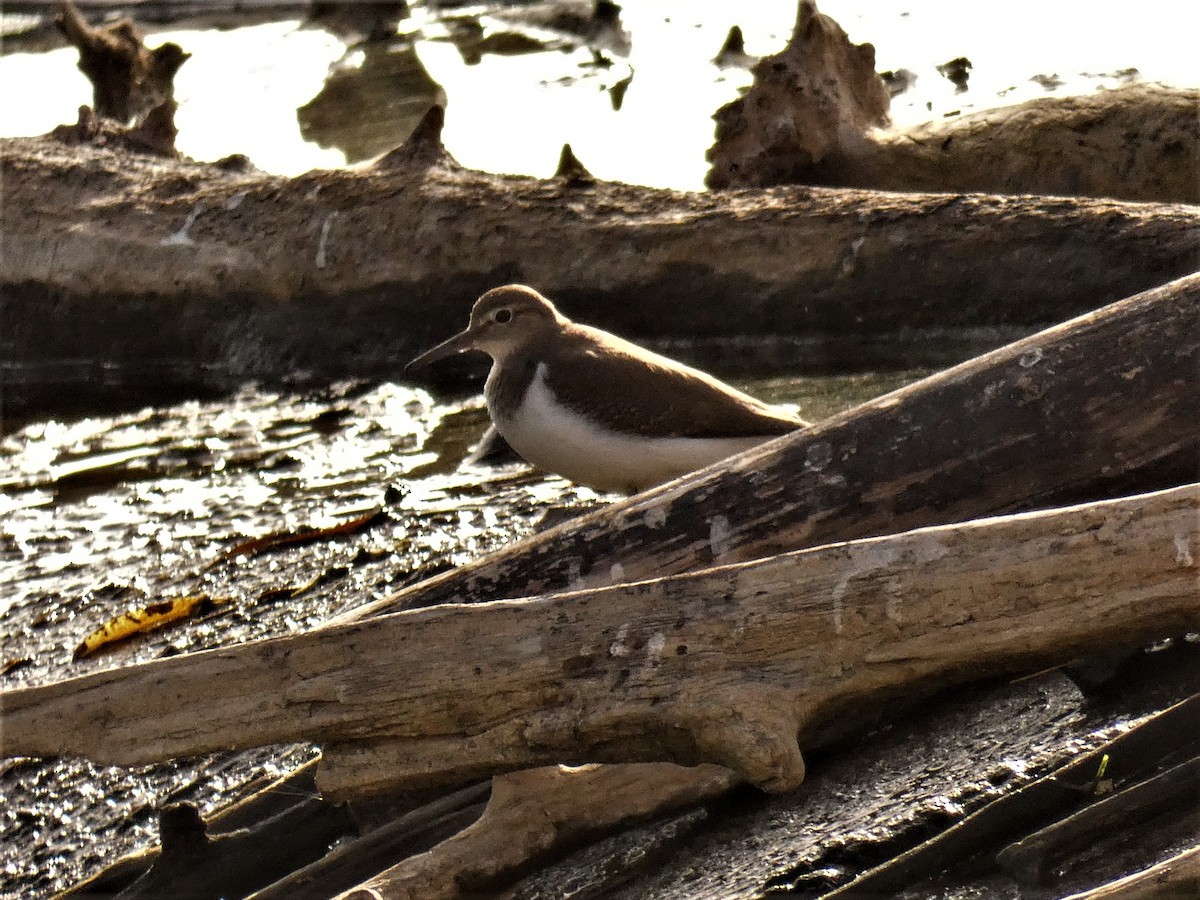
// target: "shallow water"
[[294, 98]]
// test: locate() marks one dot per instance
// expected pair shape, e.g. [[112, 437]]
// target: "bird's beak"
[[461, 342]]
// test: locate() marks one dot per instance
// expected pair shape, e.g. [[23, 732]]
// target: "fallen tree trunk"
[[1140, 142], [1101, 405], [815, 111], [128, 272], [725, 665]]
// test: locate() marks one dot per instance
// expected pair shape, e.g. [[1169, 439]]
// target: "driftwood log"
[[416, 228], [173, 277], [817, 114], [725, 665], [1030, 859], [1139, 142], [1131, 754]]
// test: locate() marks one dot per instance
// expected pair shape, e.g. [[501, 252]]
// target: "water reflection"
[[371, 101], [472, 41]]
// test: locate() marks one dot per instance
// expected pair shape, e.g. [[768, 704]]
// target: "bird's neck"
[[508, 382]]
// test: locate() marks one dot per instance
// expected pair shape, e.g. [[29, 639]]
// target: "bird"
[[596, 409]]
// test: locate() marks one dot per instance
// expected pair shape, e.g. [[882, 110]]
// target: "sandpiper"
[[596, 409]]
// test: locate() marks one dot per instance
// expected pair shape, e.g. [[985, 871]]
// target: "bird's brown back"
[[672, 400]]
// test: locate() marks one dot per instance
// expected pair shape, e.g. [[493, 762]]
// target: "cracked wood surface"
[[723, 666]]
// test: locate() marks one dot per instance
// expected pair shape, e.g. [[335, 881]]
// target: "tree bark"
[[724, 666], [1101, 405], [131, 277]]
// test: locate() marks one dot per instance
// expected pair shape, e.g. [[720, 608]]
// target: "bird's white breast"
[[553, 437]]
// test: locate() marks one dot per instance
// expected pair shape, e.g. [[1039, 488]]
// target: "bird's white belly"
[[557, 439]]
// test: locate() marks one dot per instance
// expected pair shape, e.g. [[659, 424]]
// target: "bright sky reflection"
[[240, 90]]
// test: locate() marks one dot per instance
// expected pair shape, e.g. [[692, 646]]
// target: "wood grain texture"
[[1178, 876], [724, 666]]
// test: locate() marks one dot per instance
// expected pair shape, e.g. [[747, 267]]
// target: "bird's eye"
[[502, 316]]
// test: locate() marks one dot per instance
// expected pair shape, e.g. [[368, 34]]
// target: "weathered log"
[[286, 822], [1131, 753], [1097, 406], [725, 666], [194, 863], [1028, 859], [412, 833], [813, 114], [240, 847], [531, 812], [1178, 876], [1139, 142], [169, 276]]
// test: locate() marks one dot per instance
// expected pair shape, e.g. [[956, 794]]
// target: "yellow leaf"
[[144, 619]]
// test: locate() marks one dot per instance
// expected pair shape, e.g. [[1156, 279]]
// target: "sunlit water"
[[139, 499], [240, 91]]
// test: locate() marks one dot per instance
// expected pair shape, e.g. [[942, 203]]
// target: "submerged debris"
[[302, 536], [145, 619]]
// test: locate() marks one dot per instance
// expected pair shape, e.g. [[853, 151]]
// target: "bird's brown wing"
[[609, 378]]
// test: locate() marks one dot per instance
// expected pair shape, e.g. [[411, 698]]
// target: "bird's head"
[[503, 321]]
